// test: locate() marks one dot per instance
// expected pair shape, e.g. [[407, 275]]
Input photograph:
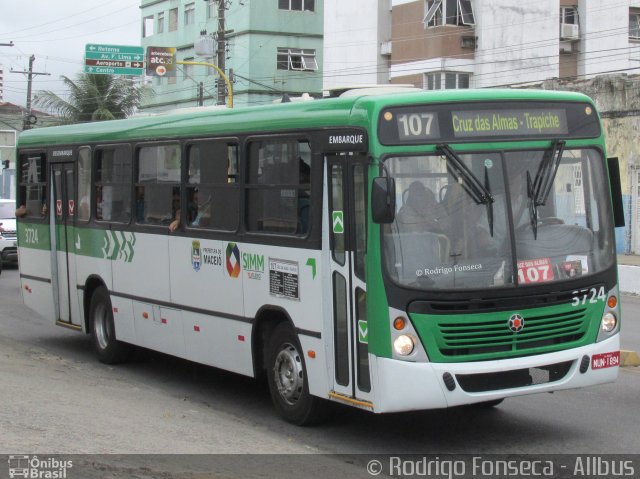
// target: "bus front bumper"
[[406, 386]]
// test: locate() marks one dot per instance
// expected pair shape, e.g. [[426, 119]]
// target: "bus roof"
[[334, 112]]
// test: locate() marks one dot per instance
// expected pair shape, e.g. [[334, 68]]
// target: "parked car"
[[8, 232]]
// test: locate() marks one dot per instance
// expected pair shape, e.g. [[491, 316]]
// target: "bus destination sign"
[[423, 124], [481, 123]]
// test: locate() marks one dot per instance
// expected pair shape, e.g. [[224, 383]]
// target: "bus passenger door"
[[347, 219], [64, 272]]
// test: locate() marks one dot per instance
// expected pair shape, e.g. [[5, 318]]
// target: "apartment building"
[[357, 43], [440, 44], [272, 48]]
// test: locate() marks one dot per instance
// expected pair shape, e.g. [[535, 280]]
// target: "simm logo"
[[253, 264]]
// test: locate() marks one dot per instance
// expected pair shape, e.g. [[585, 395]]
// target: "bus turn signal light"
[[399, 323], [612, 302]]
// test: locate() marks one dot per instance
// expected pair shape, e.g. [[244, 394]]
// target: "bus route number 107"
[[417, 126]]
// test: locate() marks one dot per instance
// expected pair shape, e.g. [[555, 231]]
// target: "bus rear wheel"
[[103, 332], [288, 381]]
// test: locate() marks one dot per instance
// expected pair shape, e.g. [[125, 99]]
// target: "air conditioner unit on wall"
[[385, 48], [569, 31], [566, 47]]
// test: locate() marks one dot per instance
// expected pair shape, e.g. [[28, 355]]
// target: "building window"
[[448, 12], [446, 81], [173, 19], [569, 15], [297, 5], [213, 195], [634, 24], [147, 26], [158, 185], [161, 22], [212, 8], [297, 59], [189, 14]]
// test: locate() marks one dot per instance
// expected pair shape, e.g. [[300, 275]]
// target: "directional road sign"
[[114, 59]]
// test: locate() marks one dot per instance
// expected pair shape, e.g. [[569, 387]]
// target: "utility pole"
[[26, 123], [221, 37], [201, 94]]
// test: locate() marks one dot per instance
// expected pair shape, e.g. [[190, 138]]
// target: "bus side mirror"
[[616, 192], [383, 200]]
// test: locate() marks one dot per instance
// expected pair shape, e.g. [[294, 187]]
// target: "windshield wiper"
[[480, 193], [538, 190]]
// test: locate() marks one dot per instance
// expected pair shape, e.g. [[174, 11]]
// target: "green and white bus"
[[391, 252]]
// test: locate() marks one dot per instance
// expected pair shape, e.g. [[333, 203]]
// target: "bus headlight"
[[404, 345], [609, 322]]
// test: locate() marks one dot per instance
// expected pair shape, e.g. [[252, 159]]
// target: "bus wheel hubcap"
[[102, 335], [288, 374]]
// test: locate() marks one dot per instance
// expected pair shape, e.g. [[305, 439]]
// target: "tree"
[[93, 98]]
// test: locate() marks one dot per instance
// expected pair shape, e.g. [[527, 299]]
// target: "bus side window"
[[84, 183], [213, 196], [113, 183], [157, 200], [279, 187], [33, 186]]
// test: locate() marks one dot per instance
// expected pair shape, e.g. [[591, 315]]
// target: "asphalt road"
[[56, 398]]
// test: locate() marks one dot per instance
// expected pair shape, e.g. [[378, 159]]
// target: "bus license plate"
[[606, 360]]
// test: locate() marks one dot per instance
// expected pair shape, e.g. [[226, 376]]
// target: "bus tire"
[[287, 378], [103, 333]]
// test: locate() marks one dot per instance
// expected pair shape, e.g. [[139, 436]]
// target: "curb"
[[629, 359]]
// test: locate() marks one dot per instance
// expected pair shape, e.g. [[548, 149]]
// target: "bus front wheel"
[[103, 333], [288, 381]]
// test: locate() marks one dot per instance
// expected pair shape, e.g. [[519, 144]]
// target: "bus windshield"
[[444, 237]]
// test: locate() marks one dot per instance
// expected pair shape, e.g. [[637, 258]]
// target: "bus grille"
[[475, 383], [493, 336]]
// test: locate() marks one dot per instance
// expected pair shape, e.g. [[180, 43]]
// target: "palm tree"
[[93, 98]]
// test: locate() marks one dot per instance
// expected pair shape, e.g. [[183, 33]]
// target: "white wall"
[[517, 41], [604, 36], [353, 32]]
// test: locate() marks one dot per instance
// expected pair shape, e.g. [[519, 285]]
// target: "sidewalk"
[[629, 279], [629, 273]]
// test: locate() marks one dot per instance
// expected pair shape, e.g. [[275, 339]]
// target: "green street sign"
[[114, 49], [127, 57], [99, 70], [113, 59], [363, 332]]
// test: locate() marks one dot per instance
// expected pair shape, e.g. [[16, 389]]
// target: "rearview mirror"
[[616, 192], [383, 200]]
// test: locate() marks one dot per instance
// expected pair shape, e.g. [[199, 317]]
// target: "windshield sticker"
[[445, 270], [535, 271], [571, 269], [584, 264]]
